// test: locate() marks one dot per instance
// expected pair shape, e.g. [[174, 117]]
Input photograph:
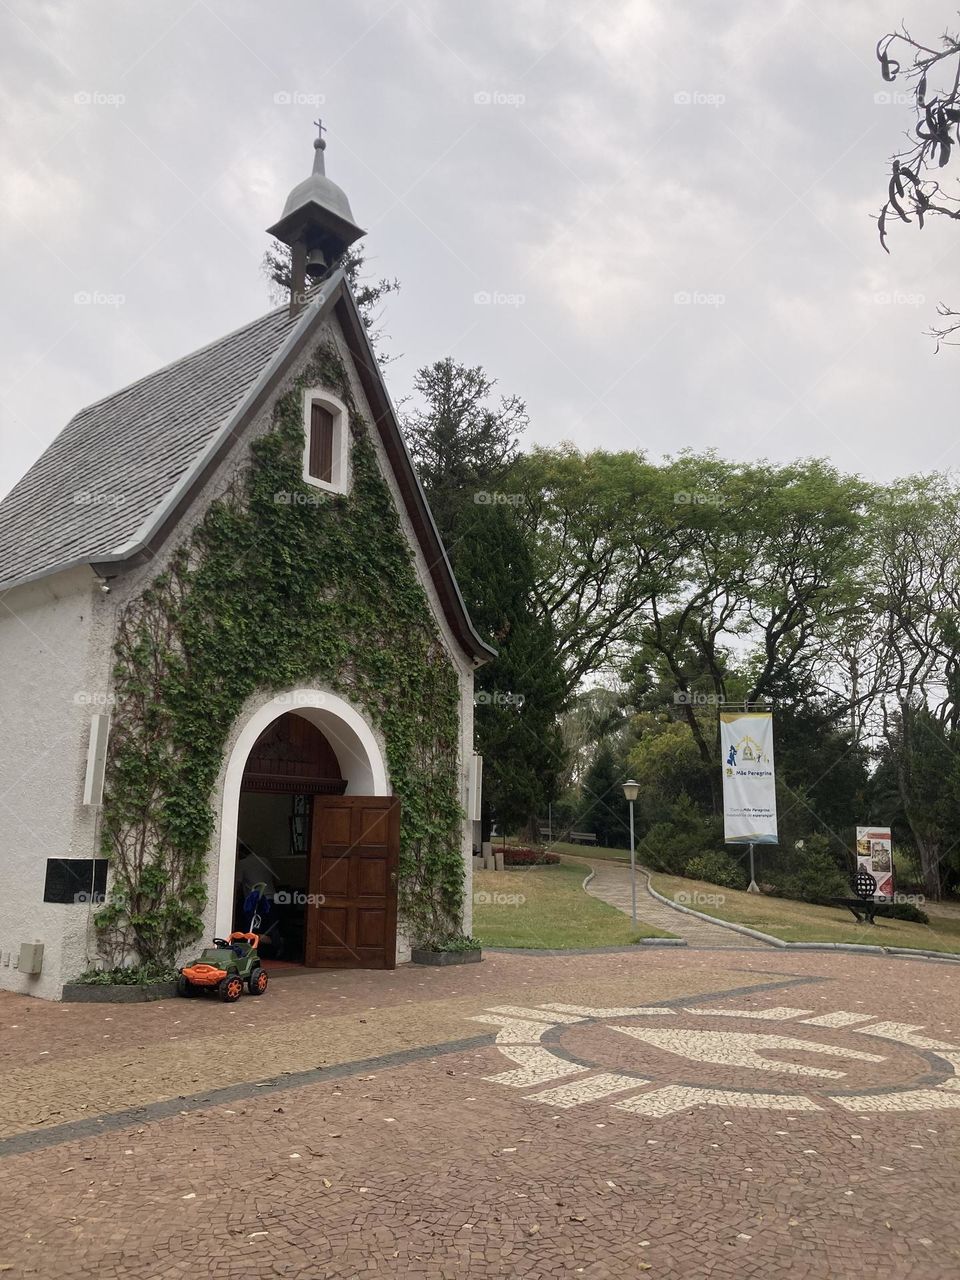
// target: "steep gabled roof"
[[114, 482]]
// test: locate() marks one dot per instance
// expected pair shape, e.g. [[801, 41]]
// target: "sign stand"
[[752, 887]]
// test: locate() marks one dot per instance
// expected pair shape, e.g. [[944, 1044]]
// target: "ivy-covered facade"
[[249, 593]]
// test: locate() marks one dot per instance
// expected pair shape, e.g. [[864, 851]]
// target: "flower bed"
[[515, 856]]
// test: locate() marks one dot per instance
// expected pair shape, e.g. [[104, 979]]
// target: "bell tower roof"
[[317, 211]]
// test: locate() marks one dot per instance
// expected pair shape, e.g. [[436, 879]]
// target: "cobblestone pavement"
[[611, 884], [669, 1113]]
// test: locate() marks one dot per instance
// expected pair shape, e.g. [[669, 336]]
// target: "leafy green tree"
[[463, 443], [519, 695], [602, 807], [277, 266]]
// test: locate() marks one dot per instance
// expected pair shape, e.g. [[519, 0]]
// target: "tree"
[[602, 803], [914, 191], [277, 266], [464, 444], [520, 694], [461, 442]]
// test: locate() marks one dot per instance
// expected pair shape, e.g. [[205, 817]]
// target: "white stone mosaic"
[[779, 1014], [676, 1097], [590, 1090], [520, 1030], [839, 1019]]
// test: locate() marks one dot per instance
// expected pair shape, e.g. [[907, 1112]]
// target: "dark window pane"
[[75, 880], [321, 443]]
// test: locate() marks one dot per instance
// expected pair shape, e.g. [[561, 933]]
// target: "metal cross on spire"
[[321, 130]]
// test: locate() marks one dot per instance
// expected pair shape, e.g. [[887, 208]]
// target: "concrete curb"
[[909, 952], [724, 924]]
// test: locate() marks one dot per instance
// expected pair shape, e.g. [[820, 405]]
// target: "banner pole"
[[753, 887]]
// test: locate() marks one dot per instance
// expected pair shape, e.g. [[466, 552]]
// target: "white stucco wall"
[[55, 638]]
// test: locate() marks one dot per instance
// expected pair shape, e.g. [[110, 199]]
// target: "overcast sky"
[[650, 218]]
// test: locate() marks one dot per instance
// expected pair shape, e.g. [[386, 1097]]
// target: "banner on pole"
[[749, 793], [875, 856]]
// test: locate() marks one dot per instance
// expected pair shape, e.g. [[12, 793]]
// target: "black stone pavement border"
[[93, 1126]]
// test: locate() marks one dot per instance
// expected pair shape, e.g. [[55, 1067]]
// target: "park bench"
[[863, 909], [583, 837], [864, 905]]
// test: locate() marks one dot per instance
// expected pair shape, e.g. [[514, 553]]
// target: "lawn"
[[803, 922], [547, 907]]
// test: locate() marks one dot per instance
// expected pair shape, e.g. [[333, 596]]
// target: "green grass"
[[553, 911], [804, 922]]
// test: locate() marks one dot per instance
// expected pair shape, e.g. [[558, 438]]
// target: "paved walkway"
[[611, 884], [668, 1112]]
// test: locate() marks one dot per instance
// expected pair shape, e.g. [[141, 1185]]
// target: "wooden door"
[[352, 910]]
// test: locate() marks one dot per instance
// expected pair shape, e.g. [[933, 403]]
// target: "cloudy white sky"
[[581, 164]]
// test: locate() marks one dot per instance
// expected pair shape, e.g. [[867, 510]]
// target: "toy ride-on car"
[[224, 968]]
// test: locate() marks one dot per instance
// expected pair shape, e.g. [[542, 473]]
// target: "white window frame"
[[340, 469]]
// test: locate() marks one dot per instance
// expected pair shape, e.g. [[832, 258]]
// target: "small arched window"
[[325, 454]]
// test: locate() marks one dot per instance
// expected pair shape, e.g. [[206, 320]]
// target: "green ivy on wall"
[[279, 585]]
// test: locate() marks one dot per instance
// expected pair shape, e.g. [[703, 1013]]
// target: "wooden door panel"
[[375, 826], [337, 825], [333, 879], [371, 923], [354, 855], [371, 877]]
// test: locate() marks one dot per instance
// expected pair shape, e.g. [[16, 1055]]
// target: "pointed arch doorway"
[[316, 831]]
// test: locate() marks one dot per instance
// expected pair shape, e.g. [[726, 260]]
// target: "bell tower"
[[317, 223]]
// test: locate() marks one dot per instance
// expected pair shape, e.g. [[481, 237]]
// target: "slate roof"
[[121, 470], [115, 462]]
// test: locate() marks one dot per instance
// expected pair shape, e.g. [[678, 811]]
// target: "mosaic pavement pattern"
[[676, 1113]]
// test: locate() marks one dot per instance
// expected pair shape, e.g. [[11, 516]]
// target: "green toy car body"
[[226, 968]]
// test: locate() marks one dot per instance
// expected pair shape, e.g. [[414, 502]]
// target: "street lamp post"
[[631, 790]]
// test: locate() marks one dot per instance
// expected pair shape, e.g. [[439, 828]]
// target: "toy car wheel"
[[258, 982], [185, 988], [231, 987]]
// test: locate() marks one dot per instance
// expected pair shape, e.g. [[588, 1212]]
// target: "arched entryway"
[[308, 822]]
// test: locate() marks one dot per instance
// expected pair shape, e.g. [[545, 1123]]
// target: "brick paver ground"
[[611, 884], [676, 1113]]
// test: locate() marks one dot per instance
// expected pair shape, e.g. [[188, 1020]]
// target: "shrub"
[[514, 856], [125, 976], [817, 876], [902, 911], [687, 835], [716, 868]]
